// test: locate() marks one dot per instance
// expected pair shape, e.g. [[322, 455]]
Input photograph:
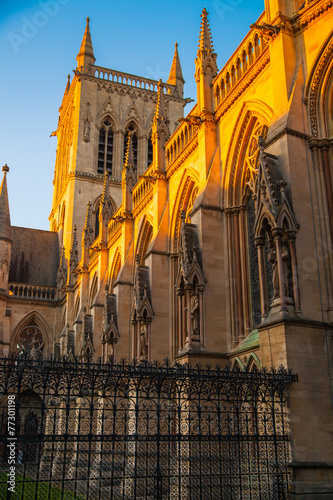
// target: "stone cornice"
[[309, 14], [287, 131], [157, 252], [207, 208], [97, 177]]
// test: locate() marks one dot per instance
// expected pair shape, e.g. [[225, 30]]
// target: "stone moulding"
[[313, 89]]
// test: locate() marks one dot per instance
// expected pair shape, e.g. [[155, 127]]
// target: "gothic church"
[[206, 238]]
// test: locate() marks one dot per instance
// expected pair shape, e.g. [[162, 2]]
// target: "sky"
[[39, 42]]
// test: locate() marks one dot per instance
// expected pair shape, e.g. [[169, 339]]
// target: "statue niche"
[[190, 286], [195, 315]]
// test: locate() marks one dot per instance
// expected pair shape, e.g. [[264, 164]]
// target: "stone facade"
[[203, 239]]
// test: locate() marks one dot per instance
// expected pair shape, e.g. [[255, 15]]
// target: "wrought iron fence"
[[132, 431]]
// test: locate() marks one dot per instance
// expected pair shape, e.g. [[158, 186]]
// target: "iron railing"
[[134, 431]]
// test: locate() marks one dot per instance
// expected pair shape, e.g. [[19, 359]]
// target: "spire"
[[86, 55], [206, 54], [176, 74], [5, 227]]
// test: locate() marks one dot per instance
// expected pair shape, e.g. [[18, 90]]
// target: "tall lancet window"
[[132, 129], [150, 150], [105, 148], [254, 267]]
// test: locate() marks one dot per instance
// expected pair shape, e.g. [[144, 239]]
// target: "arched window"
[[105, 148], [132, 129], [30, 339]]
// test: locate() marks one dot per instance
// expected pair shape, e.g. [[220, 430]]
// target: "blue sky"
[[39, 41]]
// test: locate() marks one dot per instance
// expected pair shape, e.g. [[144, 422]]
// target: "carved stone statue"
[[285, 271], [275, 278], [195, 314], [143, 342], [86, 131], [285, 268]]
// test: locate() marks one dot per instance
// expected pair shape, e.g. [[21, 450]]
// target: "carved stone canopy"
[[142, 291], [190, 261], [269, 191]]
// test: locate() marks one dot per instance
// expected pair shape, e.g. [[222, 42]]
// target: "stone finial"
[[5, 168]]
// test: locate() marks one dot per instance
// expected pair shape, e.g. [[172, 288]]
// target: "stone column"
[[183, 320], [325, 145], [244, 270], [149, 320], [240, 322], [138, 339], [260, 243], [134, 336], [291, 239], [180, 317], [228, 213], [277, 233], [188, 289], [201, 311]]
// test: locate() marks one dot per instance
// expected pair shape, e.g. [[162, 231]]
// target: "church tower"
[[99, 110]]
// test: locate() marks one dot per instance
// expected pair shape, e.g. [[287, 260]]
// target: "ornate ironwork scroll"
[[141, 430]]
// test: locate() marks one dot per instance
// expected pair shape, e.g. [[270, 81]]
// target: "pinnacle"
[[5, 226], [129, 160], [86, 49], [176, 69], [205, 37], [160, 110], [73, 250], [105, 195], [68, 83], [87, 224]]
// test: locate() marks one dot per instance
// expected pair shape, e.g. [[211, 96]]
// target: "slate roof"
[[35, 257]]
